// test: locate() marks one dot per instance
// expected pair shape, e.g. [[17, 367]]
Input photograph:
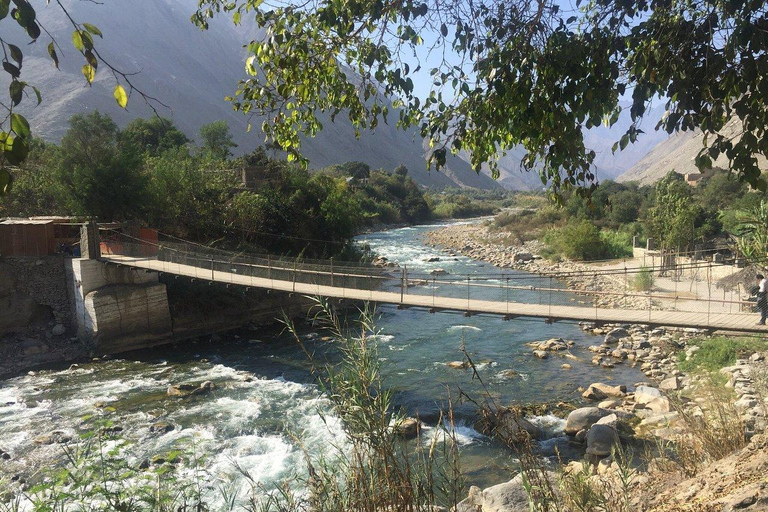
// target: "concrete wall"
[[117, 308]]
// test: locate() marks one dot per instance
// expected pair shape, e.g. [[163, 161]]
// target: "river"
[[265, 394]]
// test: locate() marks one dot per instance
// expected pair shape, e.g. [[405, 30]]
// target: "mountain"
[[191, 71], [601, 139], [678, 154]]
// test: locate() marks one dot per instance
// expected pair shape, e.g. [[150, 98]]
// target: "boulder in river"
[[507, 424], [541, 354], [614, 335], [601, 439], [161, 427], [600, 391], [584, 418], [57, 436], [187, 389], [646, 394], [505, 497], [553, 344], [407, 428]]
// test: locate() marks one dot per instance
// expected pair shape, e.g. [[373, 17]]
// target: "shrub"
[[643, 280], [579, 240], [582, 240]]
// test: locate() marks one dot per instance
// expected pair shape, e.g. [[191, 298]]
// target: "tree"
[[216, 140], [753, 233], [514, 73], [15, 132], [522, 72], [673, 215], [100, 180], [152, 136]]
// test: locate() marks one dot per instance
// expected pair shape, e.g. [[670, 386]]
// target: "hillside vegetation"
[[674, 214], [151, 173]]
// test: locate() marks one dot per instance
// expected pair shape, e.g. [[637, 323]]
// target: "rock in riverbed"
[[182, 390], [601, 439], [407, 428], [584, 418], [553, 344]]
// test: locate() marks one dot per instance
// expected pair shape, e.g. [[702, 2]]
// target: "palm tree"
[[752, 230]]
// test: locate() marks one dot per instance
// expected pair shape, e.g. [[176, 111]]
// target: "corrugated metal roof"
[[27, 221]]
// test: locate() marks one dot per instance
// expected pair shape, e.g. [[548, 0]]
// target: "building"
[[27, 237], [693, 178]]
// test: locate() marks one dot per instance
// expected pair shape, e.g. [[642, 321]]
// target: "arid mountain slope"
[[191, 71], [678, 153]]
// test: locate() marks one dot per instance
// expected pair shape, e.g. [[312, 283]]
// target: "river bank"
[[684, 412], [477, 241]]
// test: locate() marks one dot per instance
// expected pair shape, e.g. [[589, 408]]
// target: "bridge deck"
[[741, 322]]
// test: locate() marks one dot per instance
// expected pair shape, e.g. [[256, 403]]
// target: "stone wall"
[[33, 293], [36, 323], [128, 317]]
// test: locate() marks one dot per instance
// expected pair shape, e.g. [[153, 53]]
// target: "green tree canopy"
[[216, 140], [152, 136], [100, 180]]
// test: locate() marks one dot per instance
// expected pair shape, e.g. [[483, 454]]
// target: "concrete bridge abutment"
[[117, 308]]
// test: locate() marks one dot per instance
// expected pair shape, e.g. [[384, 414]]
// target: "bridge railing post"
[[403, 282], [468, 292], [331, 271]]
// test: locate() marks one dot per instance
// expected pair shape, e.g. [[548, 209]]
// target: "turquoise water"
[[265, 394]]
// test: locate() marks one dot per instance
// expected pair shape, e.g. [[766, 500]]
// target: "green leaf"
[[20, 126], [93, 29], [4, 8], [444, 30], [87, 39], [121, 96], [33, 30], [77, 40], [11, 69], [6, 180], [18, 151], [16, 91], [52, 53], [37, 93], [89, 72], [16, 54], [91, 58]]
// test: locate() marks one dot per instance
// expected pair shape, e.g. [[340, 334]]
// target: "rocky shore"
[[663, 411], [479, 242], [671, 410]]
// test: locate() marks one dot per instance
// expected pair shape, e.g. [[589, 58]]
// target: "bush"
[[618, 244], [643, 280]]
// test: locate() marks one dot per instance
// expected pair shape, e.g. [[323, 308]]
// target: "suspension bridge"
[[563, 296]]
